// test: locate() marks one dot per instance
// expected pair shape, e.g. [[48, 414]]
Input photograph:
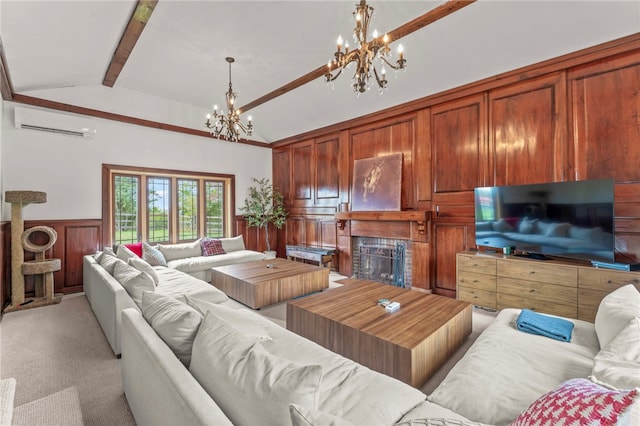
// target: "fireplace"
[[382, 259]]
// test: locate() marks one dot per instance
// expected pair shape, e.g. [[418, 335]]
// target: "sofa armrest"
[[108, 298], [159, 389]]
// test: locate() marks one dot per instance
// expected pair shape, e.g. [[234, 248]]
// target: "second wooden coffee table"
[[256, 285], [409, 344]]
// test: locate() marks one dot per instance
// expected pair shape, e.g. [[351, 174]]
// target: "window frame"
[[109, 171]]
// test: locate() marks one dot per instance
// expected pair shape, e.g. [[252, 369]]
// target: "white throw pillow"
[[615, 311], [134, 281], [175, 322], [124, 253], [143, 266], [108, 262], [242, 320], [251, 385], [153, 256], [303, 416], [180, 251], [232, 244], [618, 363]]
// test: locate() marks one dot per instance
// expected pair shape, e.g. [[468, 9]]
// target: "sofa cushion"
[[175, 283], [615, 311], [180, 251], [153, 256], [234, 369], [175, 322], [618, 363], [341, 391], [198, 263], [580, 402], [505, 370], [232, 244], [242, 319], [124, 253], [134, 281], [108, 262], [211, 247], [303, 416], [143, 266]]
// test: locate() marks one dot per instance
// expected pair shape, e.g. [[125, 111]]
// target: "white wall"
[[68, 169]]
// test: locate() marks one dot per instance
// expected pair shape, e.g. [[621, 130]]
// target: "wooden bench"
[[323, 256]]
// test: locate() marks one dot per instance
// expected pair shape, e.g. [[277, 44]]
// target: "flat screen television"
[[568, 219]]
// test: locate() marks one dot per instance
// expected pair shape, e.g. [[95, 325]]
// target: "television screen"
[[570, 219]]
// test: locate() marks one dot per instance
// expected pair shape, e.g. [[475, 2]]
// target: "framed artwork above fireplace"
[[377, 183]]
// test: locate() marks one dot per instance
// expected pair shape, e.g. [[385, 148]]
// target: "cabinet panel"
[[327, 178], [302, 172], [477, 264], [538, 290], [78, 242], [459, 144], [477, 296], [527, 131], [524, 302], [601, 119], [449, 239], [539, 271], [282, 173]]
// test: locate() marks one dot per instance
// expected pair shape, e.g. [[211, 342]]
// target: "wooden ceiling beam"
[[137, 22], [422, 21]]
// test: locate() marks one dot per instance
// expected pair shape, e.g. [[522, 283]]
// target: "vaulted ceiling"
[[66, 52]]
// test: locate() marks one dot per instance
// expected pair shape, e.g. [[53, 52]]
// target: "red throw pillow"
[[578, 402], [211, 247], [135, 248]]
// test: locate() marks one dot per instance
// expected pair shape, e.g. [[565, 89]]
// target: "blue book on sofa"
[[544, 325]]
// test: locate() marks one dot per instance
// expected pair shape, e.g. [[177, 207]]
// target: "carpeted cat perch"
[[20, 241]]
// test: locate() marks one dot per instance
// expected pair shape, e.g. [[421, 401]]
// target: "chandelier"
[[228, 126], [364, 54]]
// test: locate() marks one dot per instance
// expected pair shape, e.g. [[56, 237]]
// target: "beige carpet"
[[51, 349]]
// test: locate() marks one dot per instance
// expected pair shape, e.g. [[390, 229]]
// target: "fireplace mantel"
[[408, 225]]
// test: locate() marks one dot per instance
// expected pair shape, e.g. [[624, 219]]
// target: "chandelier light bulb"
[[340, 41], [385, 39], [215, 107], [358, 17], [375, 34]]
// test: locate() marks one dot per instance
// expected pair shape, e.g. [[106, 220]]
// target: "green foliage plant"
[[263, 206]]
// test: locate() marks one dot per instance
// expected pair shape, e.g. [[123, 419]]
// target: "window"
[[165, 206]]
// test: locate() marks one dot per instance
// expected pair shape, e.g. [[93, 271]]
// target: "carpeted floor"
[[51, 349]]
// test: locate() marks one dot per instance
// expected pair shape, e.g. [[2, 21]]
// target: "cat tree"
[[41, 267]]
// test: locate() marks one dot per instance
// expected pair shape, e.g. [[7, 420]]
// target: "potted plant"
[[263, 206]]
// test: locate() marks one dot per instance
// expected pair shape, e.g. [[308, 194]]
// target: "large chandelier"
[[364, 54], [228, 126]]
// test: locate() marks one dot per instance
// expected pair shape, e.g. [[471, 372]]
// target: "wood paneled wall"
[[570, 118], [76, 238]]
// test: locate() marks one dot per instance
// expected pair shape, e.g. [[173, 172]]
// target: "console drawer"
[[539, 271], [537, 290], [479, 264], [543, 306], [477, 297], [479, 281]]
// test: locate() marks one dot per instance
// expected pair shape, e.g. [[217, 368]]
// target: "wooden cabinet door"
[[528, 132], [327, 183], [606, 128], [448, 239], [302, 173], [458, 140], [281, 163]]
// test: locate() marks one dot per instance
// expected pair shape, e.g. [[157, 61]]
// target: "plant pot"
[[271, 254]]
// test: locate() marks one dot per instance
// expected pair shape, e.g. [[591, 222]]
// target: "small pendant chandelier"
[[364, 55], [228, 126]]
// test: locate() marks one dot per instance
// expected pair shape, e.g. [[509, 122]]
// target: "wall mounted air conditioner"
[[54, 122]]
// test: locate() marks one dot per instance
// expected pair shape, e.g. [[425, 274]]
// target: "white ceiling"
[[60, 50]]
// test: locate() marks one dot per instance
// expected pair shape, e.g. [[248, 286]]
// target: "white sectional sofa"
[[243, 367], [183, 274]]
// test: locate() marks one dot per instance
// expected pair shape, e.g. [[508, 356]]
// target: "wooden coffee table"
[[256, 285], [410, 344]]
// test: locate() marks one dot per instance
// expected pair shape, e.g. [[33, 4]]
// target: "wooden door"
[[448, 239]]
